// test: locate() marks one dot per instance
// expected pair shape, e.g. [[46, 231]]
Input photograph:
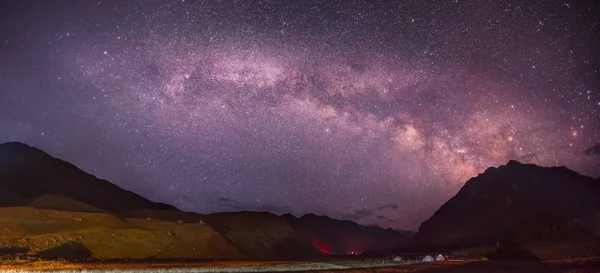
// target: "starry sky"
[[372, 111]]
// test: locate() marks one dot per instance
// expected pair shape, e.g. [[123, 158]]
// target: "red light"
[[318, 244]]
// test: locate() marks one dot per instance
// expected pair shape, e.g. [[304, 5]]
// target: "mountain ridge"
[[30, 177]]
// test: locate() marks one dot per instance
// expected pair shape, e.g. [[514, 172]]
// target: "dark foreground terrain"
[[563, 266], [493, 267]]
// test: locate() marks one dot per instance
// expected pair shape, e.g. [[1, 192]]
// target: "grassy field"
[[105, 236]]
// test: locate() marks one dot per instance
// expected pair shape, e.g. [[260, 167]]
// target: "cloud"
[[594, 150], [388, 206], [363, 213], [236, 205], [383, 221], [358, 215], [274, 208], [230, 203]]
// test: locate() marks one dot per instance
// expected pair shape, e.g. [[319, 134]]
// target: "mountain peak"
[[15, 143], [312, 215], [17, 146], [505, 200], [513, 162]]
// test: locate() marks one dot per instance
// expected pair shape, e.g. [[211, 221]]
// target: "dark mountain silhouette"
[[332, 236], [31, 178], [27, 173], [517, 204]]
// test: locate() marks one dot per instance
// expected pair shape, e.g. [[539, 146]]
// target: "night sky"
[[372, 111]]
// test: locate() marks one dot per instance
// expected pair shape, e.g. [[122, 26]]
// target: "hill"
[[27, 173], [260, 235], [75, 235], [550, 212], [50, 207], [49, 201]]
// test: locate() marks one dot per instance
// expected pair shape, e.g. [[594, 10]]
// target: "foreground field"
[[228, 266], [574, 266]]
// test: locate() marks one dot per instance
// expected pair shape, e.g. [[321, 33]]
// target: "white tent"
[[397, 259], [427, 259], [440, 258]]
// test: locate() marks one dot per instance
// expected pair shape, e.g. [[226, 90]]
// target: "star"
[[326, 108]]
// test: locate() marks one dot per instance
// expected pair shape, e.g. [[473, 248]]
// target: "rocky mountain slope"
[[553, 211], [54, 209]]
